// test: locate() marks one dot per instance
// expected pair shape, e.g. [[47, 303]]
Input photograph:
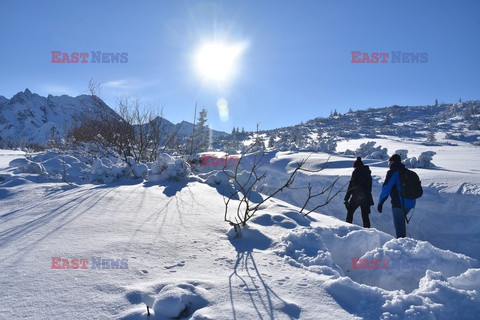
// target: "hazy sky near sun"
[[295, 63]]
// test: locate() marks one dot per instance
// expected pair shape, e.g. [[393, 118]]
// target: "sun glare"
[[218, 62]]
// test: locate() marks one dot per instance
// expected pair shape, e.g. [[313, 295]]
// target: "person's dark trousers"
[[365, 212], [399, 221]]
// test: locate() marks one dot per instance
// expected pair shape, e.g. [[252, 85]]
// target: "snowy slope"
[[184, 262], [447, 215], [448, 123], [171, 236]]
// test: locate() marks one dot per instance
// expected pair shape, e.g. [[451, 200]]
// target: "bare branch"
[[244, 186]]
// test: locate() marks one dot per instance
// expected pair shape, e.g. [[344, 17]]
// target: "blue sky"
[[296, 66]]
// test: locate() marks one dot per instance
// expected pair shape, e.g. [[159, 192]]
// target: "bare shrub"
[[247, 183]]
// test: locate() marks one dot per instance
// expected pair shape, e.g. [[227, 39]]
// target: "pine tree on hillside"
[[297, 138], [436, 103], [467, 114], [271, 142], [259, 143], [203, 131], [200, 139], [444, 116], [232, 145], [474, 125], [431, 132], [388, 119]]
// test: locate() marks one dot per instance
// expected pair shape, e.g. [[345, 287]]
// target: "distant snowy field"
[[8, 155], [183, 262]]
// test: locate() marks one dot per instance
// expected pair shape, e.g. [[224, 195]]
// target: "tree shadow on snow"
[[170, 187], [64, 214], [228, 192], [266, 303]]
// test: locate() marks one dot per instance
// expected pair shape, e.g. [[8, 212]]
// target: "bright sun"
[[218, 62]]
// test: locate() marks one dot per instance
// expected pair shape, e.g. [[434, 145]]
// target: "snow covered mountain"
[[448, 122], [30, 119], [184, 129]]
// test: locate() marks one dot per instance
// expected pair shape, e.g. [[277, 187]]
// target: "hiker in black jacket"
[[360, 190]]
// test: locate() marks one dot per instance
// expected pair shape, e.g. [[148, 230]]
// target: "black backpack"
[[359, 195], [360, 190], [411, 184]]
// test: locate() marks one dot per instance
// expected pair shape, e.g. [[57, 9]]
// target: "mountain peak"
[[22, 97], [33, 117]]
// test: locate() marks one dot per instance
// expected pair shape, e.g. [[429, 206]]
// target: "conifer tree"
[[200, 139], [431, 132]]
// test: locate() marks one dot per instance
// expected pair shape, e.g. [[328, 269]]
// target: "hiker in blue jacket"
[[392, 187]]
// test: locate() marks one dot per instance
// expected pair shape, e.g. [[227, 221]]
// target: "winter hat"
[[358, 163], [395, 158]]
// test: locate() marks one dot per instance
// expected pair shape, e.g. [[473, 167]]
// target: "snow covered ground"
[[165, 245]]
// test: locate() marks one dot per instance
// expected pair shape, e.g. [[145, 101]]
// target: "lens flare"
[[223, 110]]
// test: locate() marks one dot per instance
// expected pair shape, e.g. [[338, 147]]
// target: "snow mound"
[[79, 168], [167, 168], [103, 171], [402, 278], [234, 187], [402, 153], [369, 151], [407, 261], [328, 250], [288, 220], [423, 161], [436, 298], [306, 249], [244, 179], [27, 166], [469, 280], [179, 301], [185, 300], [469, 188], [139, 171], [248, 239]]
